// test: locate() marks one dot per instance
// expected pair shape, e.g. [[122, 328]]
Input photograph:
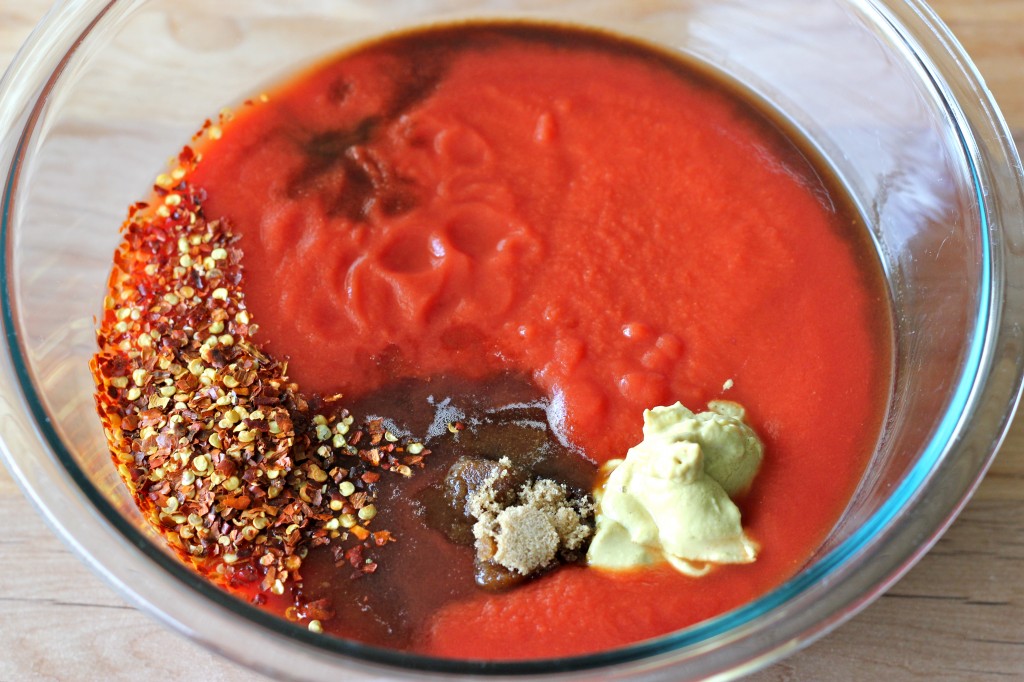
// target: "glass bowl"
[[104, 90]]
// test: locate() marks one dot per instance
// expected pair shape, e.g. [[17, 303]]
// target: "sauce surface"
[[592, 215]]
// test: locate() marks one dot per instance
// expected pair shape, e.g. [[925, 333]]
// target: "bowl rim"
[[75, 20]]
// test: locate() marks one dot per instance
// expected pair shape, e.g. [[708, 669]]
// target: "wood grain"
[[959, 615]]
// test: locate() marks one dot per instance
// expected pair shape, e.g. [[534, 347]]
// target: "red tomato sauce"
[[621, 228]]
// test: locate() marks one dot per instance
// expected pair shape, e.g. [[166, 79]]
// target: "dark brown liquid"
[[424, 569]]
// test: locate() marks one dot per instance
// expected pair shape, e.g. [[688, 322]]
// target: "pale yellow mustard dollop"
[[670, 498]]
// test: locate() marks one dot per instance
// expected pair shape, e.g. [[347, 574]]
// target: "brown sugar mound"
[[528, 532]]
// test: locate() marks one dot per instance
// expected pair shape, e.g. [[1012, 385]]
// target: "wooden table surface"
[[958, 615]]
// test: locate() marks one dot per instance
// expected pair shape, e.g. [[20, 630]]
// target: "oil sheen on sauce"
[[592, 227]]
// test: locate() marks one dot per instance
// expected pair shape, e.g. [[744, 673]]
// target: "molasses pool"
[[491, 240]]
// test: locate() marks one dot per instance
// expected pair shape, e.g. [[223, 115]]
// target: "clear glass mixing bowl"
[[104, 91]]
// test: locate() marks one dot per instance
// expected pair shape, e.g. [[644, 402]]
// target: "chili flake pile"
[[240, 472]]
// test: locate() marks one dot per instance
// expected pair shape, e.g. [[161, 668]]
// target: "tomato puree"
[[617, 226]]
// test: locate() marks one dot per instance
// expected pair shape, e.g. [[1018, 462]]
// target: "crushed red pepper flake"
[[240, 472]]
